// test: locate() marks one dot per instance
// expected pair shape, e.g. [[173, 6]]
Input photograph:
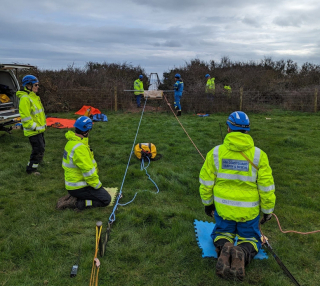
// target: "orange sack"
[[84, 108]]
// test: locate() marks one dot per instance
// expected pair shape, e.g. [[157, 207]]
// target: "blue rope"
[[142, 168], [112, 217]]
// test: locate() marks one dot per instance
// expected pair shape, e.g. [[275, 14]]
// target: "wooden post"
[[241, 93], [316, 100], [115, 99]]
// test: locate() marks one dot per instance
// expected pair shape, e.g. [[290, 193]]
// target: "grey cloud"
[[251, 22], [154, 34]]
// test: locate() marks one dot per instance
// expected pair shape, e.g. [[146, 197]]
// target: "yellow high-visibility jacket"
[[138, 85], [80, 168], [229, 181], [210, 86], [227, 89], [32, 114]]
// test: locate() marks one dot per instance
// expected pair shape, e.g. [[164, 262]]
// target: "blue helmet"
[[177, 75], [83, 123], [207, 75], [238, 120], [141, 76], [29, 79]]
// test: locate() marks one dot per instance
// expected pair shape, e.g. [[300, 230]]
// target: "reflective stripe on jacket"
[[178, 87], [210, 86], [32, 114], [229, 181], [80, 168], [138, 85]]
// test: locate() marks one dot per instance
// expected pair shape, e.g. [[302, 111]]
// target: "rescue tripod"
[[153, 91]]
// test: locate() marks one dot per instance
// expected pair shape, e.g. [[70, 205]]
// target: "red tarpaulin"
[[84, 108], [60, 122]]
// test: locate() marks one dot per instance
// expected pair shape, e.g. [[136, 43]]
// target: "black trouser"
[[38, 147], [100, 197], [247, 247]]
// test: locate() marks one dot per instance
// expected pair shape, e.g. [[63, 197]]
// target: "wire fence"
[[195, 101]]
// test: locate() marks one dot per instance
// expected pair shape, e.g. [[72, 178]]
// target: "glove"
[[266, 217], [209, 209]]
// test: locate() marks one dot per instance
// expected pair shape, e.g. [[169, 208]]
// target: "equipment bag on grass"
[[143, 150], [99, 117]]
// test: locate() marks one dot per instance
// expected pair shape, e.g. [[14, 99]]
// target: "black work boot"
[[237, 268], [223, 264], [67, 201], [179, 113]]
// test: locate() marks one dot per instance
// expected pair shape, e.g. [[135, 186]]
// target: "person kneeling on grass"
[[81, 171], [235, 183]]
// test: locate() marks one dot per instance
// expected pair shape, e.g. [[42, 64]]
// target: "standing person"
[[235, 183], [178, 89], [81, 171], [33, 120], [210, 86], [227, 90], [138, 86]]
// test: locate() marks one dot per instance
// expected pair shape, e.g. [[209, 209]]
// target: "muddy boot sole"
[[223, 264], [67, 201], [237, 268]]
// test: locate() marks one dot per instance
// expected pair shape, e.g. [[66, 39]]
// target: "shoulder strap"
[[253, 165]]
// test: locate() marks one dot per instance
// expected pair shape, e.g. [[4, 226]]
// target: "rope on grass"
[[96, 262], [183, 128], [293, 231], [142, 168], [112, 217]]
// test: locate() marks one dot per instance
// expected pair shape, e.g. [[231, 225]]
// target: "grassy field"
[[153, 240]]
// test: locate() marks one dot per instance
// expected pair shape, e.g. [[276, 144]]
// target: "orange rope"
[[183, 127], [96, 262], [264, 238], [293, 231]]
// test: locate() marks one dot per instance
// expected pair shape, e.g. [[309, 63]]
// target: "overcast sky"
[[157, 34]]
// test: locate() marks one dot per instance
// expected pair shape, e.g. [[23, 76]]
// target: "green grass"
[[153, 241]]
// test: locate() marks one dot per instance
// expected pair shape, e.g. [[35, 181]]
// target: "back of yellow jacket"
[[80, 167], [210, 86], [229, 181], [138, 85]]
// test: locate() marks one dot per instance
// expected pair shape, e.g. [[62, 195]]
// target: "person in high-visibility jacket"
[[178, 90], [210, 86], [227, 90], [138, 86], [236, 182], [33, 120], [80, 171]]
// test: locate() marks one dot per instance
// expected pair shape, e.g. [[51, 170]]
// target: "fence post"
[[241, 93], [316, 100], [115, 99]]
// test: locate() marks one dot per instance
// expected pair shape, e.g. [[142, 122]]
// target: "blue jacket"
[[178, 87]]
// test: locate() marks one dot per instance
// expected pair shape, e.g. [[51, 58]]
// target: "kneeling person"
[[236, 182], [80, 171]]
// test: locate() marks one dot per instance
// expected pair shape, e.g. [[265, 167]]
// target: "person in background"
[[138, 86], [81, 171], [178, 90], [227, 89], [33, 120], [236, 182], [210, 86]]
